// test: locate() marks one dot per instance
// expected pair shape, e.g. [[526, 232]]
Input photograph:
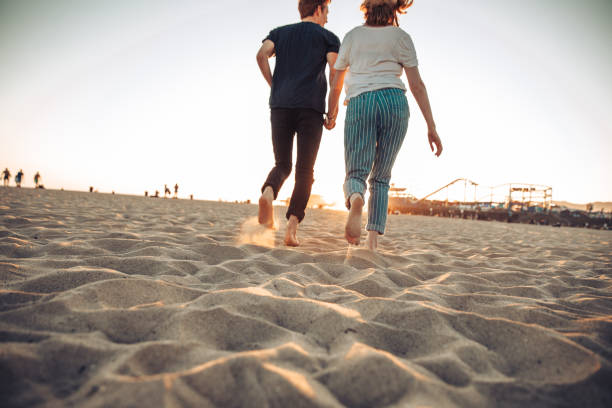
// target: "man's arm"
[[417, 87], [265, 52], [337, 82], [331, 61]]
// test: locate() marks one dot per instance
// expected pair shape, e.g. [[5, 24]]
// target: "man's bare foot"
[[266, 209], [372, 240], [291, 233], [352, 231]]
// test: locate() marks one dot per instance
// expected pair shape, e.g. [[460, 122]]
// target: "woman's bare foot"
[[372, 240], [352, 231], [291, 233], [266, 209]]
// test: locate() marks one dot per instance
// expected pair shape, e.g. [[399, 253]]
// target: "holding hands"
[[332, 113], [330, 120], [336, 83]]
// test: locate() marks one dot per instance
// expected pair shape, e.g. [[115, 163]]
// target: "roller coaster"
[[508, 195], [511, 202]]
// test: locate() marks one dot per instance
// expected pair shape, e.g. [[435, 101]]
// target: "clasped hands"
[[330, 119]]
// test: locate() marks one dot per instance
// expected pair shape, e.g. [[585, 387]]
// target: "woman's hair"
[[384, 12], [307, 8]]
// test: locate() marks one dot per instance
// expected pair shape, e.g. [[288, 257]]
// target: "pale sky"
[[129, 95]]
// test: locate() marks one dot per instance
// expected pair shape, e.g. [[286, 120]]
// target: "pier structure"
[[510, 202]]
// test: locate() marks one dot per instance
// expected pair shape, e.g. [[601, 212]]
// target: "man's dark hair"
[[307, 8]]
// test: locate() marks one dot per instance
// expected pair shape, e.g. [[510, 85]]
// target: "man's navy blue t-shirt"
[[299, 74]]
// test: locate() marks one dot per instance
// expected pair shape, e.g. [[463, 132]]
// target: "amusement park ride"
[[503, 196], [512, 202]]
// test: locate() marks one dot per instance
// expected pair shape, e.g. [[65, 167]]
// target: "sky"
[[129, 95]]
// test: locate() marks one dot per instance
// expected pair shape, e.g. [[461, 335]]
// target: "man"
[[6, 176], [297, 106], [18, 178]]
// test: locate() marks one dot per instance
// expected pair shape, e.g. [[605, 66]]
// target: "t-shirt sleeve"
[[406, 52], [333, 43], [272, 36], [342, 62]]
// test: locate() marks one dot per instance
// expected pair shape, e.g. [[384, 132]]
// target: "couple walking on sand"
[[376, 54]]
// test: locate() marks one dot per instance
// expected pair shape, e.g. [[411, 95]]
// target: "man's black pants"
[[308, 125]]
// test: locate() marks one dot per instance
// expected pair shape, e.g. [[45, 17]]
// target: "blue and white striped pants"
[[374, 129]]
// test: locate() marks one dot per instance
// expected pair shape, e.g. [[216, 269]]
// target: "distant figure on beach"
[[37, 179], [377, 110], [156, 194], [176, 190], [91, 189], [6, 176], [146, 193], [166, 191], [297, 105], [18, 178]]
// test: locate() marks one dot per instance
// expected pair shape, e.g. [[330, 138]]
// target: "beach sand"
[[123, 301]]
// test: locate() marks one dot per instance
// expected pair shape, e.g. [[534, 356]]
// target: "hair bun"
[[374, 3], [391, 3]]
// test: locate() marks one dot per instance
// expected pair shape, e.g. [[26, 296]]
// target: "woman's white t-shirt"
[[376, 57]]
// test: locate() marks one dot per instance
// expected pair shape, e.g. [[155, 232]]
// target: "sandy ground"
[[119, 301]]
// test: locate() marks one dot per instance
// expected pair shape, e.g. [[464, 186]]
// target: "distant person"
[[18, 178], [37, 179], [297, 105], [377, 113], [91, 189], [146, 193], [166, 191], [6, 176], [156, 194], [176, 190]]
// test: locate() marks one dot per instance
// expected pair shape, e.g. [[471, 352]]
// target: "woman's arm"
[[417, 87]]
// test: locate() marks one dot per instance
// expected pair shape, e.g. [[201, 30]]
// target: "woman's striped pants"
[[374, 129]]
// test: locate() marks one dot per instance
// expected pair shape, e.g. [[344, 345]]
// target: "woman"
[[377, 110]]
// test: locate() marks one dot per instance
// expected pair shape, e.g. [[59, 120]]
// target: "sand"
[[122, 301]]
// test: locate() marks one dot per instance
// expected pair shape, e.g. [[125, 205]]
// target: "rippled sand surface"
[[109, 301]]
